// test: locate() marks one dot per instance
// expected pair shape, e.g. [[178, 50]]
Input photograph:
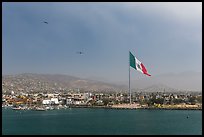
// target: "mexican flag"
[[136, 64]]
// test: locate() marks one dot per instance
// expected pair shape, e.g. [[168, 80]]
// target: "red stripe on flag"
[[144, 70]]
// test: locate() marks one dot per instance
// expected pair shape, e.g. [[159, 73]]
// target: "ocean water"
[[98, 121]]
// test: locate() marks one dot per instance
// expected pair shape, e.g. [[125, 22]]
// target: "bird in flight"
[[79, 52], [45, 22]]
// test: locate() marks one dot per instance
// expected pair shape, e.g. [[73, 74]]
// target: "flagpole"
[[129, 78]]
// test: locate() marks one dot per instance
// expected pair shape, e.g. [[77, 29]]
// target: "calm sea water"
[[89, 121]]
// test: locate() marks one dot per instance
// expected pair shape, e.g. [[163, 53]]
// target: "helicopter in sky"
[[80, 52], [45, 22]]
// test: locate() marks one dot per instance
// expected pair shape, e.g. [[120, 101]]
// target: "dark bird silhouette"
[[45, 22], [79, 52]]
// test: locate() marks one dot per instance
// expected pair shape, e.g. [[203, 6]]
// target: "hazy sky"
[[165, 37]]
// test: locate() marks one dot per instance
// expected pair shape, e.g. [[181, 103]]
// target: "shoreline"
[[106, 107], [124, 106]]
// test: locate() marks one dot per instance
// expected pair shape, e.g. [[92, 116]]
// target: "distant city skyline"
[[166, 37]]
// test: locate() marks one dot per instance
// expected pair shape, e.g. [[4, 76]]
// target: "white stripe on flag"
[[138, 65]]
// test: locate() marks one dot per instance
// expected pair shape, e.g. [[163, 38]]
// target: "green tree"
[[192, 100], [106, 101], [199, 99], [177, 101]]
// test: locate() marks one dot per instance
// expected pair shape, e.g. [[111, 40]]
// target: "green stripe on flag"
[[132, 60]]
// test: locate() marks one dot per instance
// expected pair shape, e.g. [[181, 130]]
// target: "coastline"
[[119, 106], [148, 108]]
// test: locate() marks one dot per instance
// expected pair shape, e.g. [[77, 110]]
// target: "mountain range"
[[71, 82], [189, 80]]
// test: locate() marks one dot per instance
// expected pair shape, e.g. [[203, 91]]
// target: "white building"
[[46, 102], [54, 100], [69, 101]]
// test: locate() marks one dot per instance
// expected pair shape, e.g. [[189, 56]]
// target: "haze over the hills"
[[188, 80], [168, 82]]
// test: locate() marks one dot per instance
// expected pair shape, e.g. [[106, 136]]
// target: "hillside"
[[29, 82], [46, 82]]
